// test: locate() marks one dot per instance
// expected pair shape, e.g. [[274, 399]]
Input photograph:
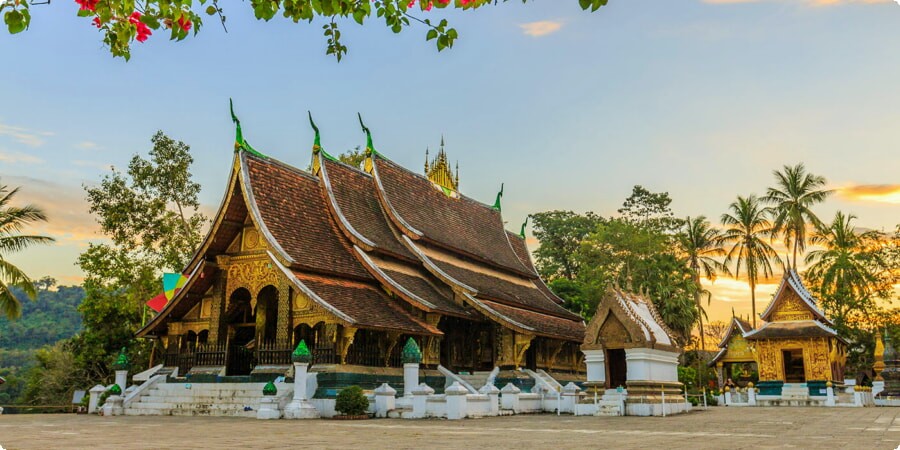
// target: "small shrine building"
[[796, 345], [735, 358], [629, 349], [355, 261]]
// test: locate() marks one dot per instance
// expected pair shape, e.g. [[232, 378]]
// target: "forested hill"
[[52, 316]]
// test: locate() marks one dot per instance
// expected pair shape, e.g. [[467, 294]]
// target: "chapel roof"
[[791, 283]]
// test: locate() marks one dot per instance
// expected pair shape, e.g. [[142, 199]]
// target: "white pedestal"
[[410, 378], [122, 379], [419, 401], [95, 392], [300, 407], [385, 398], [456, 401], [114, 406], [268, 408], [509, 397]]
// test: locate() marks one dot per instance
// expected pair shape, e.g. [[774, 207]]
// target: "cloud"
[[541, 28], [92, 164], [24, 135], [87, 145], [879, 193], [17, 157], [65, 206]]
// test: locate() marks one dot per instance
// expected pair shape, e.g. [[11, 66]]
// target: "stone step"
[[190, 406], [188, 412], [197, 399]]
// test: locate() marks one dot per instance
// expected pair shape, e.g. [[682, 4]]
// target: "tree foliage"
[[796, 191], [560, 234], [121, 22], [151, 215], [13, 219]]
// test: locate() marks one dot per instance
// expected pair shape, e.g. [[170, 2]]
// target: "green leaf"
[[15, 21], [210, 10], [432, 34]]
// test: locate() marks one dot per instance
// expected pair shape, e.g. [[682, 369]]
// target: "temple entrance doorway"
[[617, 370], [794, 371], [241, 320]]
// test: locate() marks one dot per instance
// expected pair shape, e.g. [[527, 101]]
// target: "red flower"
[[87, 5], [184, 23], [97, 23], [143, 31]]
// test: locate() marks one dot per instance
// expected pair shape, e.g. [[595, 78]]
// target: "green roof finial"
[[122, 362], [269, 389], [524, 224], [301, 353], [499, 196], [239, 142], [370, 148], [115, 390], [411, 353], [317, 142]]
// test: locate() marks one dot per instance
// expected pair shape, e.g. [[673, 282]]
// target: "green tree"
[[650, 210], [699, 245], [12, 220], [848, 272], [792, 199], [151, 215], [123, 21], [747, 231], [560, 234], [55, 378]]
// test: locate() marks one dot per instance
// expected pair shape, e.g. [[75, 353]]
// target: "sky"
[[701, 99]]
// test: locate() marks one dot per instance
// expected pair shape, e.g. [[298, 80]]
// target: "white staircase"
[[475, 379], [544, 380], [203, 399]]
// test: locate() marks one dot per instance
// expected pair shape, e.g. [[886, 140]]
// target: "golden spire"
[[439, 172]]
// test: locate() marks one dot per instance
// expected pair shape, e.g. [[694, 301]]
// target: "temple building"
[[735, 358], [630, 351], [796, 349], [356, 261]]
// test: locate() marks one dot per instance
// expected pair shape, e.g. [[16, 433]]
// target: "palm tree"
[[795, 193], [699, 244], [748, 229], [843, 268], [12, 220]]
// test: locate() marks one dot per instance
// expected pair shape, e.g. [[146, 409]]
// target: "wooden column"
[[215, 311]]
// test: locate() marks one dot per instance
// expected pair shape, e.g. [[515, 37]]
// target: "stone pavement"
[[733, 428]]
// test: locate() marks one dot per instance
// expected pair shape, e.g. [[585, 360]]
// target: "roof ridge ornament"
[[497, 201], [239, 142], [317, 147], [370, 148], [524, 224]]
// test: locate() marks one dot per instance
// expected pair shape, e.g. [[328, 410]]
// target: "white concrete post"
[[268, 404], [491, 391], [300, 407], [122, 379], [877, 386], [510, 397], [419, 401], [569, 397], [95, 393], [385, 398], [751, 396], [829, 392], [456, 401], [410, 378]]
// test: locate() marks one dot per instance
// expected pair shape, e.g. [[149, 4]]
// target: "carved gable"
[[612, 333], [790, 307]]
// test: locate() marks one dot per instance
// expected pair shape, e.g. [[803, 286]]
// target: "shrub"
[[351, 401]]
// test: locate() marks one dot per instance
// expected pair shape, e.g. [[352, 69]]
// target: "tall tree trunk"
[[753, 298], [699, 310]]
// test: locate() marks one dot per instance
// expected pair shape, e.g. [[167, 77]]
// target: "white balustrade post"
[[300, 407], [385, 400], [751, 395], [95, 394], [420, 400], [509, 397], [491, 391], [268, 403], [410, 378], [829, 392], [456, 401], [570, 395]]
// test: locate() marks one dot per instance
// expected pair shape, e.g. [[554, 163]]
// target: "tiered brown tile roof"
[[354, 193], [462, 224], [496, 288], [542, 324], [294, 211], [365, 304], [440, 296]]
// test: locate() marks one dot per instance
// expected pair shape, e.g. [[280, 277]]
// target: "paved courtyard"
[[734, 428]]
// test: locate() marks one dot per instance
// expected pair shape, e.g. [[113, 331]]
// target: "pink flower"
[[87, 5], [143, 31], [184, 23]]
